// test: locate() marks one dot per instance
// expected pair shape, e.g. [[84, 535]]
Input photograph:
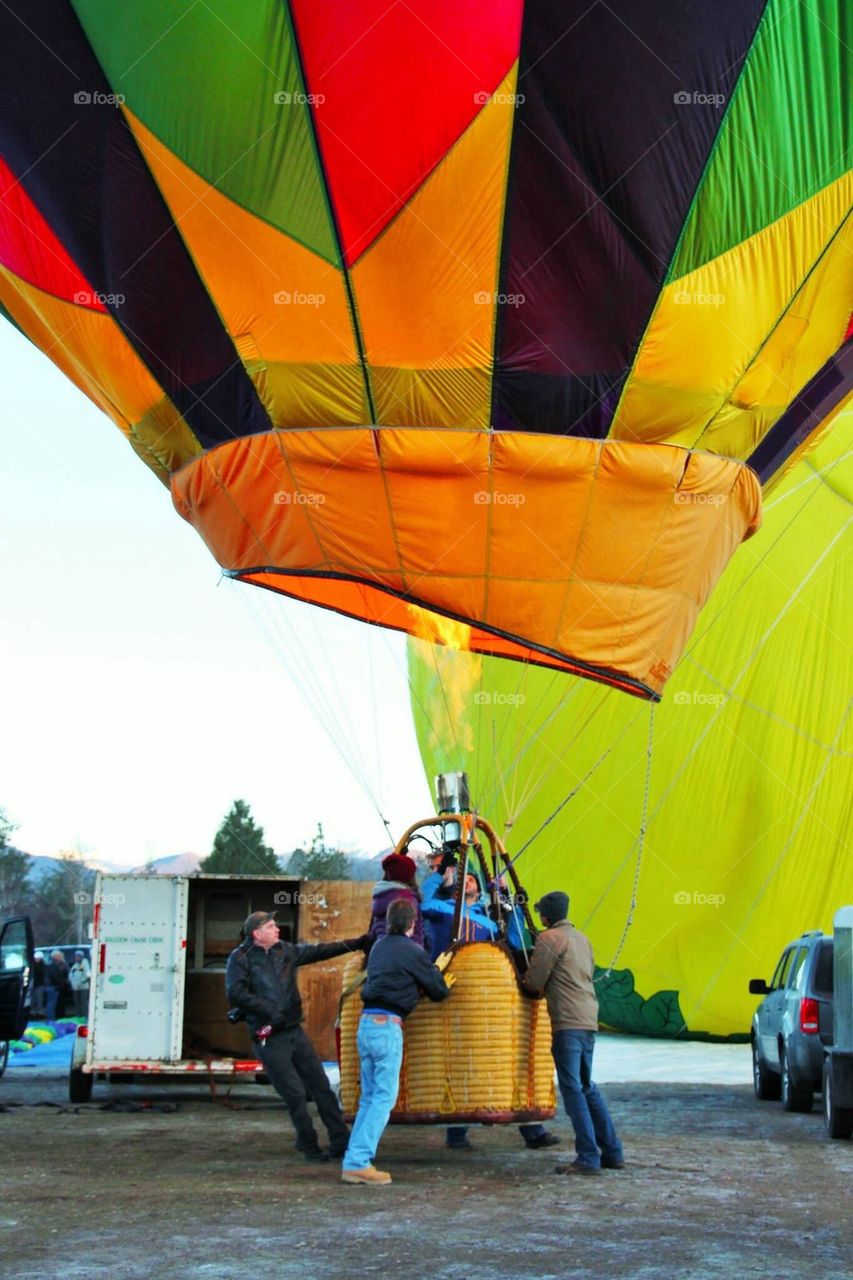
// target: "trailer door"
[[139, 962]]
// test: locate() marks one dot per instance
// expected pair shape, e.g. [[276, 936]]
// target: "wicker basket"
[[482, 1056]]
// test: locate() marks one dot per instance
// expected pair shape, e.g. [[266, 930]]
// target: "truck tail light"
[[102, 958], [809, 1022], [82, 1033]]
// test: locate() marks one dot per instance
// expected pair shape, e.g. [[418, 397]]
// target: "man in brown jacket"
[[561, 965]]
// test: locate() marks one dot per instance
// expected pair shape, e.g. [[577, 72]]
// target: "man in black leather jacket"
[[261, 980]]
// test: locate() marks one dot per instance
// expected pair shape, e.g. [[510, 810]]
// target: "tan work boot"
[[367, 1177]]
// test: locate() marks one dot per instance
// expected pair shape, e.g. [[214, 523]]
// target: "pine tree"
[[238, 846], [319, 862]]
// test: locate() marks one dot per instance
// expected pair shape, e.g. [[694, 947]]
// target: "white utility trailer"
[[157, 1002]]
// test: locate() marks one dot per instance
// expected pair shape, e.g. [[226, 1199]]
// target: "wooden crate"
[[329, 910]]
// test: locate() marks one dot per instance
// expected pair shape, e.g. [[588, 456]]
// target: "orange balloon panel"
[[597, 566]]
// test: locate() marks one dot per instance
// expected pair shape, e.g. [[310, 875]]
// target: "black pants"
[[292, 1066]]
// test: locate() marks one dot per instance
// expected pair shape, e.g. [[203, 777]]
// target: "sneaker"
[[366, 1177], [574, 1167], [612, 1164], [543, 1140]]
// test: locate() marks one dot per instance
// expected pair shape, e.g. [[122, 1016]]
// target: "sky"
[[140, 693]]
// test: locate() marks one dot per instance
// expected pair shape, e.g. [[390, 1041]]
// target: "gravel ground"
[[715, 1184]]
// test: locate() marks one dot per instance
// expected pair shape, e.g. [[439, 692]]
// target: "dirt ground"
[[715, 1184]]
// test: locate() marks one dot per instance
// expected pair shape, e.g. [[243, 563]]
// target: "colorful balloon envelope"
[[499, 311]]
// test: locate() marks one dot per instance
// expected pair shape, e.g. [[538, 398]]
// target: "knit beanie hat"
[[399, 867], [554, 907]]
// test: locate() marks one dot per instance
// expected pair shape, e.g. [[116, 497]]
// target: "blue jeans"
[[380, 1049], [595, 1137]]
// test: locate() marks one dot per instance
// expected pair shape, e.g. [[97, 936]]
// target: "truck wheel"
[[80, 1085], [4, 1055], [766, 1083], [838, 1121], [795, 1097]]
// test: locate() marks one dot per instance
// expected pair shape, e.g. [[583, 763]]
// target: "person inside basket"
[[398, 970]]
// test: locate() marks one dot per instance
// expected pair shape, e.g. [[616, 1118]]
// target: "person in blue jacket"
[[476, 925]]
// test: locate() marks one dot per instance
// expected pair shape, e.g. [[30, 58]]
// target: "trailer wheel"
[[4, 1055], [766, 1083], [838, 1121], [795, 1097], [80, 1085]]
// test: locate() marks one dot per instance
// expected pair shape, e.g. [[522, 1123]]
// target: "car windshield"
[[823, 970]]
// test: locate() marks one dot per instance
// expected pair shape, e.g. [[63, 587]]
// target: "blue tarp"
[[55, 1053]]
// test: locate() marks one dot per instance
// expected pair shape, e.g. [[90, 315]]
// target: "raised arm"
[[312, 952]]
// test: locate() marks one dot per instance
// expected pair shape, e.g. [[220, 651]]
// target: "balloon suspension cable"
[[537, 833], [640, 844]]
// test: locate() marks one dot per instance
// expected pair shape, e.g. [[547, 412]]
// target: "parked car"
[[16, 981], [793, 1023]]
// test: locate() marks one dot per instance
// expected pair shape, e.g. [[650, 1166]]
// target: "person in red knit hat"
[[398, 881]]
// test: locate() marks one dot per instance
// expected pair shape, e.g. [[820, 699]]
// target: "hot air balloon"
[[499, 311], [748, 816]]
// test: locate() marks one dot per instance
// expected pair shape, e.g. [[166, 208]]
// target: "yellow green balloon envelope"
[[748, 838]]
